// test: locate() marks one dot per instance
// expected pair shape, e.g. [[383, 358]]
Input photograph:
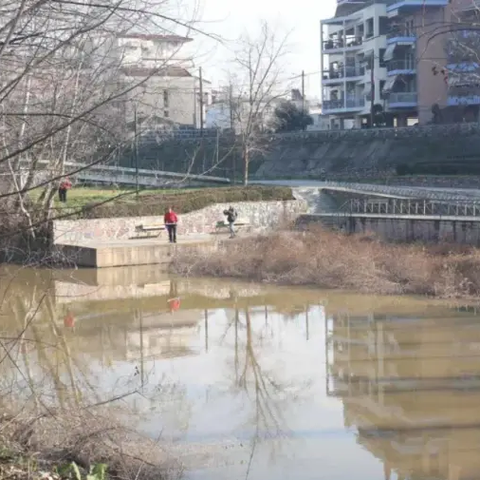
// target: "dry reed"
[[327, 259]]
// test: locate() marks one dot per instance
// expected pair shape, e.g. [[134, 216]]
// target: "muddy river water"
[[248, 381]]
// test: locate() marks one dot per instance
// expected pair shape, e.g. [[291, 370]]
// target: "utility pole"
[[303, 95], [135, 150], [372, 80], [201, 100], [230, 105], [303, 90]]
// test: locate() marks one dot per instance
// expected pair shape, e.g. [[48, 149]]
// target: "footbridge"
[[115, 175]]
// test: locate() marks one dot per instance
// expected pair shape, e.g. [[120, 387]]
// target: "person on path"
[[170, 219], [65, 185], [231, 215]]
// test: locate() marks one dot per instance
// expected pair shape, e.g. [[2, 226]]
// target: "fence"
[[412, 207]]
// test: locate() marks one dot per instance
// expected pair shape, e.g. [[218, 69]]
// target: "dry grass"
[[333, 260], [35, 447]]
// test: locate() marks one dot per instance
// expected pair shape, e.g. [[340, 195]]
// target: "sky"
[[229, 19]]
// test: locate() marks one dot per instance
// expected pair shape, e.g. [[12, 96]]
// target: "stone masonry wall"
[[260, 215], [361, 153]]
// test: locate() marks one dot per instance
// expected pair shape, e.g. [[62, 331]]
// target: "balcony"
[[348, 44], [457, 100], [343, 105], [401, 38], [399, 7], [402, 99], [343, 73], [401, 67]]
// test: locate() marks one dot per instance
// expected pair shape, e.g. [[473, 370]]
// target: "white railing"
[[402, 97]]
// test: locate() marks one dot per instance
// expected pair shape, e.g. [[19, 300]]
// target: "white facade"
[[168, 91], [221, 115], [348, 46]]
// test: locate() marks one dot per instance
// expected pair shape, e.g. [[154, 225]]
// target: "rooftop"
[[154, 36]]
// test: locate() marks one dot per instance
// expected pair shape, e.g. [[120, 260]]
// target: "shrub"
[[183, 201], [333, 260]]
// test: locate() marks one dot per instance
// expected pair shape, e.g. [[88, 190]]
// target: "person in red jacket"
[[171, 221], [65, 185]]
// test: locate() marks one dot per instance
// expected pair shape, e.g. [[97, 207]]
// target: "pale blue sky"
[[229, 19]]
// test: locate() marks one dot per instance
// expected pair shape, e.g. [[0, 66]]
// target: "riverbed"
[[248, 381]]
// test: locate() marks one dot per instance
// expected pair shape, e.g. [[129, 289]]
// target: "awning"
[[390, 83], [388, 55]]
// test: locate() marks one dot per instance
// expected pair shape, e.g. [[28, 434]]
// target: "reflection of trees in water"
[[267, 392], [50, 366]]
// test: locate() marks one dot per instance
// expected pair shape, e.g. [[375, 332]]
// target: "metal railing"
[[354, 102], [343, 72], [412, 207], [348, 43], [402, 97], [401, 34], [406, 193], [401, 65]]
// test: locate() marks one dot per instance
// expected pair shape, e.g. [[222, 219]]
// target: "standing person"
[[231, 215], [65, 185], [170, 219]]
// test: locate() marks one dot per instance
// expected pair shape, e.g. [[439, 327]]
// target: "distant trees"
[[288, 118]]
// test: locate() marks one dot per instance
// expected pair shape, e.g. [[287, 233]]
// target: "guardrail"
[[412, 207], [111, 171], [417, 193]]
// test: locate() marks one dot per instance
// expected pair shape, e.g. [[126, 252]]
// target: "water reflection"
[[411, 388], [267, 382]]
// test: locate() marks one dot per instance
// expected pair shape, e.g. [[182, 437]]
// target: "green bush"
[[182, 201]]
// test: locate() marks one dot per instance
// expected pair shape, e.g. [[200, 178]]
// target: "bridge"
[[123, 176]]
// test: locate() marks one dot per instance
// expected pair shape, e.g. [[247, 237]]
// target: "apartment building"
[[417, 50], [353, 43]]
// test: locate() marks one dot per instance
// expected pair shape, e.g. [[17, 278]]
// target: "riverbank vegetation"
[[327, 259], [86, 203]]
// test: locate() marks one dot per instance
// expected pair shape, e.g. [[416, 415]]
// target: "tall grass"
[[333, 260]]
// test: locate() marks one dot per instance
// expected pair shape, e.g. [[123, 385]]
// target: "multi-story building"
[[353, 73], [414, 47]]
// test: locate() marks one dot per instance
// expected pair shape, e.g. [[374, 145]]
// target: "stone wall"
[[427, 230], [361, 153], [259, 214]]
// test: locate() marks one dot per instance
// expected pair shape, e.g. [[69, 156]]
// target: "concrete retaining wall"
[[405, 229], [259, 214]]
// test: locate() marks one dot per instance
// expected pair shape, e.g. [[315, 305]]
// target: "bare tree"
[[64, 89], [256, 87]]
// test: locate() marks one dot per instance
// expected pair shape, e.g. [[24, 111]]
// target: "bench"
[[151, 230], [239, 224]]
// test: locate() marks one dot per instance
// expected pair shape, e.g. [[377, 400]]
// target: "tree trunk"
[[246, 161]]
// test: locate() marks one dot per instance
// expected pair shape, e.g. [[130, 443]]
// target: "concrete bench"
[[149, 230], [239, 224]]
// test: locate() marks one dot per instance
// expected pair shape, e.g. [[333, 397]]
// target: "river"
[[249, 381]]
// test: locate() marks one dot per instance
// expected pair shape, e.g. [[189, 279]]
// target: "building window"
[[165, 98], [383, 25], [166, 113], [369, 28], [381, 54]]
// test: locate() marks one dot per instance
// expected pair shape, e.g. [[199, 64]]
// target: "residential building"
[[320, 120], [422, 58], [168, 92], [226, 113], [220, 115], [353, 73]]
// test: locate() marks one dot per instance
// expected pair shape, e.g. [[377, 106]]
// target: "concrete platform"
[[120, 253]]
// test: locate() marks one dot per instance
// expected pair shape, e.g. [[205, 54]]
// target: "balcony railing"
[[402, 97], [342, 103], [400, 34], [400, 65], [348, 43], [343, 72]]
